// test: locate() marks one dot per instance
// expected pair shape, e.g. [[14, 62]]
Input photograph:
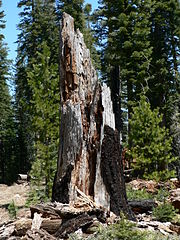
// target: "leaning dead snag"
[[86, 114]]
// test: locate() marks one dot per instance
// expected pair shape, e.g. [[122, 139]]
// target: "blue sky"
[[12, 19], [10, 32]]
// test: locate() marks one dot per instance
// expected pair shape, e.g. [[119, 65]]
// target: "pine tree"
[[7, 131], [38, 23], [150, 143], [25, 51], [124, 29], [175, 128], [44, 84], [164, 39]]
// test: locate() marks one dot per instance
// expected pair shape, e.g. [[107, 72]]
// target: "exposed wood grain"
[[86, 108]]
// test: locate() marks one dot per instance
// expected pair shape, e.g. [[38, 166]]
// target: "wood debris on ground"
[[57, 220]]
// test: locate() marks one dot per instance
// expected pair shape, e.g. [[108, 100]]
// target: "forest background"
[[135, 49]]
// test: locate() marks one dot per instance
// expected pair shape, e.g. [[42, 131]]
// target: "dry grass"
[[16, 192]]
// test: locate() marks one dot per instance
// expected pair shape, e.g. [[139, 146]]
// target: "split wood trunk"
[[90, 152]]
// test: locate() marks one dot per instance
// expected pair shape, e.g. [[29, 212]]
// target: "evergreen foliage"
[[12, 209], [151, 146], [124, 230], [137, 194], [38, 24], [139, 46], [164, 212], [7, 127], [45, 107], [174, 112], [123, 28], [164, 38]]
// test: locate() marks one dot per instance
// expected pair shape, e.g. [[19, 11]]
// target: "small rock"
[[21, 226], [6, 232], [79, 232], [151, 229], [175, 198], [93, 227], [175, 228], [153, 224], [36, 222], [165, 228], [142, 225], [163, 232], [112, 218]]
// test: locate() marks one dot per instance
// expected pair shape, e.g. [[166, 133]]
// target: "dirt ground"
[[16, 192]]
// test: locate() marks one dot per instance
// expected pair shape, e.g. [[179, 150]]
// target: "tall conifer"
[[124, 29], [164, 39], [8, 166], [38, 25]]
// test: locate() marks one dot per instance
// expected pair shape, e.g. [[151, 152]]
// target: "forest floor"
[[17, 193]]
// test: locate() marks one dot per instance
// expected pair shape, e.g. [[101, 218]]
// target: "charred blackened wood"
[[61, 186], [45, 211], [112, 172], [72, 225], [142, 206]]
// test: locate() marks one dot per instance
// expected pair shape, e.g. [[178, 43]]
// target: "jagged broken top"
[[77, 71]]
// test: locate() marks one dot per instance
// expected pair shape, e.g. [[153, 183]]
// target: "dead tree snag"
[[86, 161]]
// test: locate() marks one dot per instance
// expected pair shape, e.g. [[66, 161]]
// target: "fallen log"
[[72, 225], [58, 211], [46, 211], [22, 178], [49, 225], [142, 206]]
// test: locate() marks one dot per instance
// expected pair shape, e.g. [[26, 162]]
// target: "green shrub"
[[159, 236], [142, 194], [164, 212], [162, 195], [161, 175], [123, 230], [137, 194], [12, 209], [176, 219]]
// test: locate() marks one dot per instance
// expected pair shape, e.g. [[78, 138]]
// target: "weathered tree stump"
[[89, 154]]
